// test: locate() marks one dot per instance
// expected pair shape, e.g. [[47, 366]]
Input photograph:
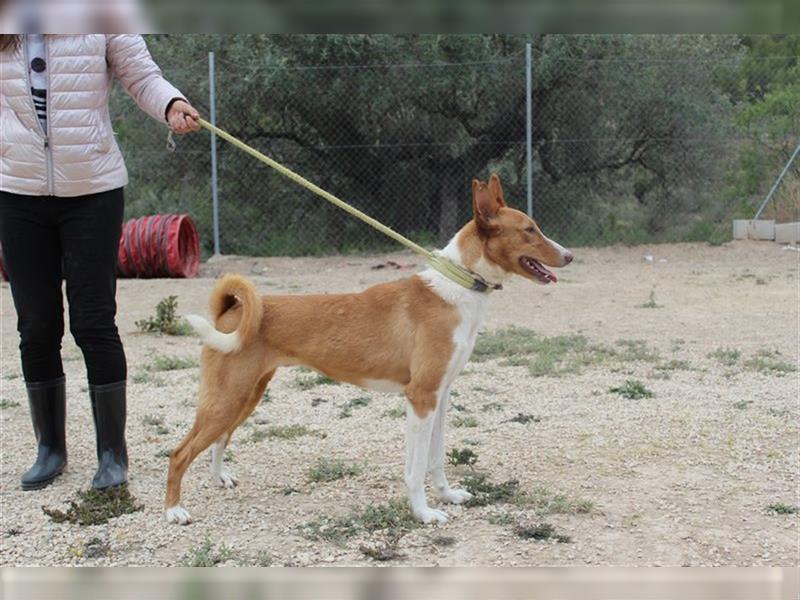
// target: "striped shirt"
[[37, 69]]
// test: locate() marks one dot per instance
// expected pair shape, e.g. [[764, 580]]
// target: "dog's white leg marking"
[[178, 515], [221, 476], [418, 443], [437, 454]]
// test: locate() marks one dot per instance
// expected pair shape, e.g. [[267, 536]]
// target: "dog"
[[411, 336]]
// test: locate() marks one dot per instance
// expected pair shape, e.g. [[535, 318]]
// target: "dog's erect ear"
[[496, 190], [485, 205]]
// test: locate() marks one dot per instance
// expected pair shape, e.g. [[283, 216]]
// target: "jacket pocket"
[[101, 133]]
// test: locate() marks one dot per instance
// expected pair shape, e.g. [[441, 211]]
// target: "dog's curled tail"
[[229, 290]]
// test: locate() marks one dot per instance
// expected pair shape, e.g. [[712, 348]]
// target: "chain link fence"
[[634, 139]]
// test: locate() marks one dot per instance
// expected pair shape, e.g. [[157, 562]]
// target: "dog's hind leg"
[[219, 474]]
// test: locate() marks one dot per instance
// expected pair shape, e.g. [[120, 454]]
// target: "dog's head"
[[502, 241]]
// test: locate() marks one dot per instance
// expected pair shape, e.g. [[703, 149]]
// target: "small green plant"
[[541, 532], [464, 421], [307, 381], [395, 413], [166, 319], [265, 398], [157, 422], [331, 469], [290, 432], [171, 363], [381, 552], [163, 453], [769, 362], [464, 456], [651, 302], [674, 365], [726, 356], [742, 404], [501, 518], [6, 403], [393, 518], [632, 389], [146, 377], [347, 408], [444, 541], [95, 507], [206, 555], [779, 508], [523, 419], [263, 559], [635, 350], [485, 492], [491, 406]]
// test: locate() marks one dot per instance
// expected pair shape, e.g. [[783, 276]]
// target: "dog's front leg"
[[418, 443], [437, 454]]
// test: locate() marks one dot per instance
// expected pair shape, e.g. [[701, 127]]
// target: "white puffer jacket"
[[77, 154]]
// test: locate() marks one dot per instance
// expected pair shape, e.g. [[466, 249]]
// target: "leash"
[[438, 261]]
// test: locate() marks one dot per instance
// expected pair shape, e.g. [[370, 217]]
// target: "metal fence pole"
[[777, 182], [212, 105], [529, 125]]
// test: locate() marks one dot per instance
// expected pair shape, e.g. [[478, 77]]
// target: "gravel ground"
[[682, 478]]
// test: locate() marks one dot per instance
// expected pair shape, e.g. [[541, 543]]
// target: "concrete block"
[[745, 229], [787, 233]]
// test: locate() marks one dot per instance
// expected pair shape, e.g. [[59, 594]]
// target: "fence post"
[[529, 125], [212, 106], [777, 182]]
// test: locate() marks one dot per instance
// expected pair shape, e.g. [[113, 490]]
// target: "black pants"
[[46, 239]]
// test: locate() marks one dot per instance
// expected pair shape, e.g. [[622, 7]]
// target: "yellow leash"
[[436, 259]]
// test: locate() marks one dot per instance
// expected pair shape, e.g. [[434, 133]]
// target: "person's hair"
[[9, 41]]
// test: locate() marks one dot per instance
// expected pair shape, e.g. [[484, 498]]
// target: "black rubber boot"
[[48, 402], [108, 410]]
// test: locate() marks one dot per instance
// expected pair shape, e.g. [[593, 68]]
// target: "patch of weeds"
[[331, 469], [503, 343], [290, 432], [394, 518], [464, 456], [6, 403], [778, 412], [464, 421], [483, 389], [257, 435], [307, 382], [163, 453], [770, 363], [546, 502], [742, 404], [726, 356], [444, 541], [779, 508], [485, 492], [206, 555], [541, 532], [315, 402], [458, 407], [395, 413], [632, 389], [502, 518], [263, 559], [491, 406], [523, 419], [455, 394], [674, 365], [96, 548], [760, 281], [635, 350], [651, 302], [157, 422], [288, 490], [228, 456], [381, 552], [166, 319], [171, 363], [347, 408], [265, 398], [95, 507], [145, 377], [11, 376]]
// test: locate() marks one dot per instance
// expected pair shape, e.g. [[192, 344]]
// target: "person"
[[61, 206]]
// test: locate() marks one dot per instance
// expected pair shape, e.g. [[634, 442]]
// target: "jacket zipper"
[[45, 132]]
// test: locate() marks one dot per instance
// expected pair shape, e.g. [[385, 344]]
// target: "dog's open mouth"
[[537, 269]]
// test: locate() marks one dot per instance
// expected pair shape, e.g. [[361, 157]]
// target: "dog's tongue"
[[548, 273]]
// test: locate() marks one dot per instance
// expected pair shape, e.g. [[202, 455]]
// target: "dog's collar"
[[460, 274]]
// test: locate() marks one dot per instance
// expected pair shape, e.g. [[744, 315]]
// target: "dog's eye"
[[530, 230]]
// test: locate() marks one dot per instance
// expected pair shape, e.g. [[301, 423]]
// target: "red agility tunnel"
[[159, 246]]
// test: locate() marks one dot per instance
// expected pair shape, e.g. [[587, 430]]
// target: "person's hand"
[[182, 117]]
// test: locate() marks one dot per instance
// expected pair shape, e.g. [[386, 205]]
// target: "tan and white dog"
[[411, 336]]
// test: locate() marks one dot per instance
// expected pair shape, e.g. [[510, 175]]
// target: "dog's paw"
[[455, 496], [178, 515], [226, 480], [430, 515]]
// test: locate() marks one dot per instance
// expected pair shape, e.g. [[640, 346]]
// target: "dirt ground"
[[685, 477]]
